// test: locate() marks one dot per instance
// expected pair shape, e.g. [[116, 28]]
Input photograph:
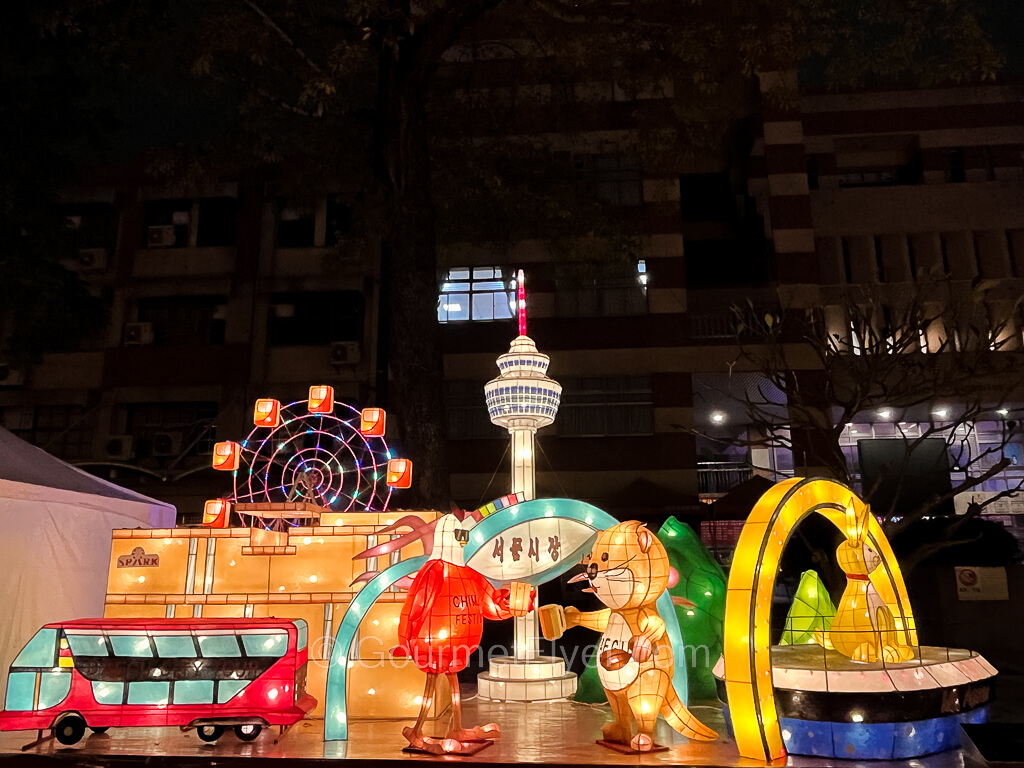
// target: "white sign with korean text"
[[527, 549]]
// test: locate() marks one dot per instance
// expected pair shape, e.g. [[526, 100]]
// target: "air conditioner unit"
[[11, 377], [92, 259], [161, 236], [167, 444], [345, 353], [138, 334], [119, 447]]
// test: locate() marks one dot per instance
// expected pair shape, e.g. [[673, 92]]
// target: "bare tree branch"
[[284, 36]]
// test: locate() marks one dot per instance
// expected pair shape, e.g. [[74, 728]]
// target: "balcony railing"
[[720, 477]]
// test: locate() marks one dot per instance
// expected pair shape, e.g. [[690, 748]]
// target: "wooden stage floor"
[[557, 733]]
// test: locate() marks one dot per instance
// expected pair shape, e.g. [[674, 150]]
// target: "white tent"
[[55, 524]]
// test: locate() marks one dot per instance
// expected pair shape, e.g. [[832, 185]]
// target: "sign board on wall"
[[981, 583]]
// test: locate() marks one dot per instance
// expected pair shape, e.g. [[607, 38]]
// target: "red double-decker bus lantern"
[[226, 456], [206, 674], [372, 422], [321, 399], [267, 413], [400, 473], [216, 513]]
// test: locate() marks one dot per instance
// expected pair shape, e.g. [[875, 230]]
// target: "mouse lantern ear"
[[646, 539]]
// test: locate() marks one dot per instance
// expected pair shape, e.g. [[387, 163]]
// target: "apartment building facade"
[[237, 293]]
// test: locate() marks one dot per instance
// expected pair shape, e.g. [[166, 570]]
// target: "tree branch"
[[284, 36]]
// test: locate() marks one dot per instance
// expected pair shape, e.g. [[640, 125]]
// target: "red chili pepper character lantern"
[[442, 621]]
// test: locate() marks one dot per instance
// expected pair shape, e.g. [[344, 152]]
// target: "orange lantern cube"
[[216, 513], [267, 413], [399, 473], [321, 399], [226, 456], [372, 422]]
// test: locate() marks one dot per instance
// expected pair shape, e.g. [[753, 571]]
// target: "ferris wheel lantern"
[[226, 456], [308, 456], [216, 513], [267, 413], [399, 473], [321, 399], [372, 422]]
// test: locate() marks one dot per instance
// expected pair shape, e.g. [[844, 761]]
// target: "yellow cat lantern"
[[628, 570], [863, 628]]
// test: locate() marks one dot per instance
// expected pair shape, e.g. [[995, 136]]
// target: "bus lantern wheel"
[[104, 729], [70, 730], [210, 732], [248, 732]]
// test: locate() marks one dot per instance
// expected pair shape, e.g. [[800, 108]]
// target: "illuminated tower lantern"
[[522, 400]]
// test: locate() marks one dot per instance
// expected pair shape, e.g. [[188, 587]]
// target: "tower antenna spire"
[[521, 301]]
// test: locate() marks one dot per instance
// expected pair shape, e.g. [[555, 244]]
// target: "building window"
[[619, 290], [296, 226], [615, 179], [218, 221], [706, 197], [955, 169], [185, 320], [171, 430], [168, 223], [315, 317], [477, 293], [66, 431], [465, 414], [91, 225], [606, 405], [313, 224], [339, 220]]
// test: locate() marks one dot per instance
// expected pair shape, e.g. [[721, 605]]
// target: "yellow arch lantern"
[[748, 664]]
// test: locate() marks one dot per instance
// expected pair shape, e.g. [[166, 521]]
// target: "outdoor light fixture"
[[941, 413], [1003, 411], [885, 413], [718, 417]]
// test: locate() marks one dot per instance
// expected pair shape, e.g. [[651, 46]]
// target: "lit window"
[[175, 646], [218, 646], [193, 692], [107, 692], [87, 645], [228, 689], [53, 688], [41, 650], [265, 645], [131, 645], [478, 293], [148, 693]]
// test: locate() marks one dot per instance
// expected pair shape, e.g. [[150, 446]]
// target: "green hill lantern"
[[812, 611]]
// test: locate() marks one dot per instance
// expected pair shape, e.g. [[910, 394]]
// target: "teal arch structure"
[[336, 707]]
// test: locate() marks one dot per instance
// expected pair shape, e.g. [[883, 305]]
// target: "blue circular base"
[[876, 741]]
